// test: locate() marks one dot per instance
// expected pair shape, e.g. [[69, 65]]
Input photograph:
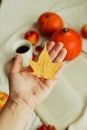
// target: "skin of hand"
[[31, 89]]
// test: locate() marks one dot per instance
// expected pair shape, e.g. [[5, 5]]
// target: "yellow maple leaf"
[[44, 66]]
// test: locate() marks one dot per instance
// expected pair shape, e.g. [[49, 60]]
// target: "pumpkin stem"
[[65, 30], [47, 15]]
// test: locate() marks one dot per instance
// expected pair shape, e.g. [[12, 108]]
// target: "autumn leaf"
[[44, 67]]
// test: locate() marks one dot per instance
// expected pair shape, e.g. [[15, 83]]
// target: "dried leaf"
[[44, 66]]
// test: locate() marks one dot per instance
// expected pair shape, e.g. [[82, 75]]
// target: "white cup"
[[24, 48]]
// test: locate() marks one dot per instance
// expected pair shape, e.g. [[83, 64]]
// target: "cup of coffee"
[[24, 48]]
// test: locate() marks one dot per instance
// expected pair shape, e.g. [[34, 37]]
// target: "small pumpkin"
[[72, 41], [48, 23], [84, 31]]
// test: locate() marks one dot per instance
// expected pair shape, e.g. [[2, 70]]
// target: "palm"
[[32, 89], [36, 88]]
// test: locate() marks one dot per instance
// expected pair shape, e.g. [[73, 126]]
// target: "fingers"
[[61, 55], [17, 64], [56, 51], [50, 45], [57, 54]]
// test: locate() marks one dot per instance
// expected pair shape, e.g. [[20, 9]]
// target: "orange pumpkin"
[[72, 41], [48, 23]]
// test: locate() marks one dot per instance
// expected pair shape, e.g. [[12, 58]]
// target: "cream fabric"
[[15, 14]]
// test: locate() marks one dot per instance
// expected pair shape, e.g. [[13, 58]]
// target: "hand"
[[31, 89]]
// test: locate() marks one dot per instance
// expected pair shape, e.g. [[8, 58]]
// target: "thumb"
[[17, 64]]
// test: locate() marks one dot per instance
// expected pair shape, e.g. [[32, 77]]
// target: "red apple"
[[39, 48], [44, 127], [3, 99], [32, 36], [84, 31], [34, 57], [51, 127]]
